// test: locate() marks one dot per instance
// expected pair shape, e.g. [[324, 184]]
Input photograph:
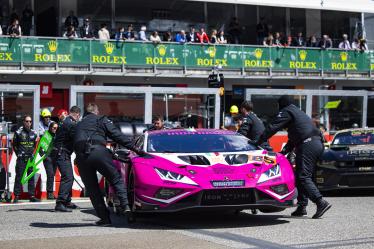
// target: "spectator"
[[325, 42], [213, 37], [14, 30], [202, 36], [27, 15], [120, 34], [312, 42], [71, 20], [70, 33], [234, 30], [287, 42], [87, 29], [62, 114], [191, 37], [104, 33], [299, 40], [221, 38], [345, 44], [356, 44], [277, 40], [363, 45], [142, 35], [181, 37], [262, 30], [155, 38], [269, 40], [167, 37], [129, 34]]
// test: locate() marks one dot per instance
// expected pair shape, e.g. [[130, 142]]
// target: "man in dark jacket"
[[252, 127], [24, 142], [92, 156], [305, 138], [61, 154]]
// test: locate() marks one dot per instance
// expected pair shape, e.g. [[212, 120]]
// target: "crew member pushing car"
[[61, 154], [92, 156], [305, 138]]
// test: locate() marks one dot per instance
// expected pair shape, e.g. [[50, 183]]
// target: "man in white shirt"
[[104, 33], [345, 44]]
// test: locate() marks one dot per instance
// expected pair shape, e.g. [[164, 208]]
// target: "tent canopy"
[[366, 6]]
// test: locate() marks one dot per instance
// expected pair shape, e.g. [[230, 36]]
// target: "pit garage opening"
[[135, 106]]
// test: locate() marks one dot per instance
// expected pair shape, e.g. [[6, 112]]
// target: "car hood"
[[349, 153]]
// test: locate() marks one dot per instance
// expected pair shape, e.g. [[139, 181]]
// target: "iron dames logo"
[[161, 59], [302, 64], [51, 55], [212, 52], [109, 58], [258, 63], [343, 65]]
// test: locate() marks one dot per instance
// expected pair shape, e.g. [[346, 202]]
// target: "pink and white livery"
[[205, 168]]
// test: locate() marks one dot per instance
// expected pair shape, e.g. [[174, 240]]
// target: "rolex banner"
[[39, 51]]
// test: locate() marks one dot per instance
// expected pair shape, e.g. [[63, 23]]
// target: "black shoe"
[[71, 205], [299, 212], [104, 223], [61, 208], [124, 210], [51, 196], [33, 199], [16, 199], [322, 207]]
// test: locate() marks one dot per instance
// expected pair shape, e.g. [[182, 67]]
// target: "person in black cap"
[[305, 139], [252, 127]]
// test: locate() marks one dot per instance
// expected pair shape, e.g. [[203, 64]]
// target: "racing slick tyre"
[[271, 210], [131, 218]]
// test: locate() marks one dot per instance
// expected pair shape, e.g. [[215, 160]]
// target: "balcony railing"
[[60, 55]]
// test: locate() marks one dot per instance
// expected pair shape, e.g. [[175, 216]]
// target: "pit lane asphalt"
[[349, 224]]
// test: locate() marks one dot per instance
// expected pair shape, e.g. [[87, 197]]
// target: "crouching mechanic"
[[92, 156], [305, 138]]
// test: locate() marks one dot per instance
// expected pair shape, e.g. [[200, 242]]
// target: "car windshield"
[[199, 142], [354, 138]]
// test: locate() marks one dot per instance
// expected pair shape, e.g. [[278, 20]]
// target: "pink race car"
[[206, 168]]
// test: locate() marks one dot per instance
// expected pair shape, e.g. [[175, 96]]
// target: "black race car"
[[349, 161]]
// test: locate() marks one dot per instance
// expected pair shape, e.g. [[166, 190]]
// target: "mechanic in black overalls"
[[24, 143], [92, 156], [305, 138], [252, 127], [61, 154]]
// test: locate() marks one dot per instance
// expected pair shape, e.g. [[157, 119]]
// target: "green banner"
[[77, 52]]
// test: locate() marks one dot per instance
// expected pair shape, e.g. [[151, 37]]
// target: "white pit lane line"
[[26, 203]]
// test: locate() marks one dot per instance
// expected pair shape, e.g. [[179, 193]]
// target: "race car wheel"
[[131, 196]]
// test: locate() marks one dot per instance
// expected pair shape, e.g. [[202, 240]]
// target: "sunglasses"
[[54, 128], [28, 121]]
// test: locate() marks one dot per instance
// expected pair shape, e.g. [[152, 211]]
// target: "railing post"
[[243, 61], [184, 54], [90, 59], [272, 63], [21, 49], [154, 54], [56, 54], [123, 54]]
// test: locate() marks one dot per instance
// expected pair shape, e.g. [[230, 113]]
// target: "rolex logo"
[[52, 46], [161, 50], [344, 56], [109, 47], [258, 53], [302, 54], [212, 51]]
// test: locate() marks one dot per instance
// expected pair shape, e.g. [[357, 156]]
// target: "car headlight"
[[271, 173], [174, 177]]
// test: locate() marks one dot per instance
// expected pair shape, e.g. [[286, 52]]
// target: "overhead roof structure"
[[366, 6]]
